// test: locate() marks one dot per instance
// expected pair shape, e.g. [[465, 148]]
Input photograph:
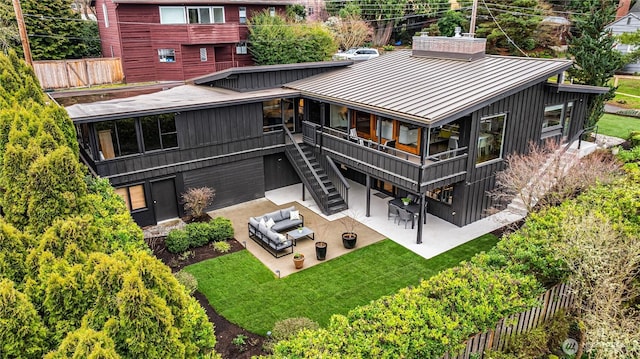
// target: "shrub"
[[223, 229], [289, 327], [196, 200], [388, 47], [634, 138], [222, 246], [187, 280], [177, 241], [199, 234]]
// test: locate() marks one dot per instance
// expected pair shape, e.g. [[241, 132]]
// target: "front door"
[[165, 204]]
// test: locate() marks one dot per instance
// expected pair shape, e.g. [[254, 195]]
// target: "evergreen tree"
[[85, 343], [591, 47]]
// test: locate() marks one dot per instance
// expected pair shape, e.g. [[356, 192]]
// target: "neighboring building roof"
[[265, 68], [427, 90], [181, 98], [205, 2]]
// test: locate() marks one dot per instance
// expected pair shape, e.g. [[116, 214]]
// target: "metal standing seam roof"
[[426, 89], [181, 98]]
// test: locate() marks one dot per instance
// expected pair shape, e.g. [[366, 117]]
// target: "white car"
[[356, 54]]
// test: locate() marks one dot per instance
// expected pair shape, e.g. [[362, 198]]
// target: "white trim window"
[[206, 15], [242, 12], [491, 138], [105, 13], [172, 15], [167, 55], [241, 48], [203, 54]]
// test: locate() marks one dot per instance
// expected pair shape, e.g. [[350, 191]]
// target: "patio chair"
[[392, 211], [406, 216]]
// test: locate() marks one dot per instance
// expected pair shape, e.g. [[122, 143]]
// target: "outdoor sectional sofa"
[[270, 238]]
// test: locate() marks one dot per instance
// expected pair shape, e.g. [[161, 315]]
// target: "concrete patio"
[[438, 235]]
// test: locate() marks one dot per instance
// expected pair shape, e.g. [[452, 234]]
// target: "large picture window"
[[491, 138], [557, 120], [133, 197], [442, 194], [159, 132], [172, 15], [338, 117], [117, 138]]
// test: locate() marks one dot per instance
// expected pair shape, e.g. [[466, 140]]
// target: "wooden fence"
[[553, 300], [58, 74]]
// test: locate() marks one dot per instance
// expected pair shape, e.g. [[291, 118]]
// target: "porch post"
[[421, 215], [368, 214], [302, 191]]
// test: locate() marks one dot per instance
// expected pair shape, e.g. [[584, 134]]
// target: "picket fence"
[[57, 74], [557, 298]]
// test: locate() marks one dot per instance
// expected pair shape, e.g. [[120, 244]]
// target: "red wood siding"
[[141, 35], [109, 36]]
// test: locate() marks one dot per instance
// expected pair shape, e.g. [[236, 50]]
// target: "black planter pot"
[[349, 239], [321, 250]]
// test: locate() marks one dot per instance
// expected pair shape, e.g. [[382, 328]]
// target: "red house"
[[162, 40]]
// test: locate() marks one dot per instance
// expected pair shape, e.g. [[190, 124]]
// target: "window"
[[203, 54], [552, 122], [241, 48], [272, 11], [117, 138], [172, 15], [106, 15], [159, 132], [167, 55], [567, 119], [199, 15], [408, 137], [386, 129], [133, 197], [82, 132], [491, 138], [310, 11], [271, 114], [442, 194], [363, 124], [338, 117], [243, 14]]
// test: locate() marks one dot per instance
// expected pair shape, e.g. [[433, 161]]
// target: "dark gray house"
[[435, 122]]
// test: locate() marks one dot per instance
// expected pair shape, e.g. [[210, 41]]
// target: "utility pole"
[[23, 32], [474, 14]]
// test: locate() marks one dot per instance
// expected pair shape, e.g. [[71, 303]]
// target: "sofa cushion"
[[286, 224], [285, 212], [253, 222], [263, 228], [276, 215], [273, 236], [270, 223], [294, 215], [281, 245]]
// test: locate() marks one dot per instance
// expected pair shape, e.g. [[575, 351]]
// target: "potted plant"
[[349, 236], [405, 200], [298, 260], [321, 246]]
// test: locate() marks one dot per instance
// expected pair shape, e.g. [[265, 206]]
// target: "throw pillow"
[[270, 223], [283, 238], [262, 222], [294, 215]]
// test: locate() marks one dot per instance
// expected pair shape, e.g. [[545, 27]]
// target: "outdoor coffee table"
[[301, 233]]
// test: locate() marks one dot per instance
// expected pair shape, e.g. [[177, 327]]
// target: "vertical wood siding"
[[234, 183], [525, 112]]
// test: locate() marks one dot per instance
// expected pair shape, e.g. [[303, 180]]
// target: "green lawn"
[[247, 293], [618, 126], [630, 87]]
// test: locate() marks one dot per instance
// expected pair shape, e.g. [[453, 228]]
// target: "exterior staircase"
[[315, 178]]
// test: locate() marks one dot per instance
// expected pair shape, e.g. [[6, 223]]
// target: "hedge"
[[198, 234]]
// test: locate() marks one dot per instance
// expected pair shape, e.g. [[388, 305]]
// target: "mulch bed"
[[224, 329]]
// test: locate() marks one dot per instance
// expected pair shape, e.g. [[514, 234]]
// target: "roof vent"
[[456, 48]]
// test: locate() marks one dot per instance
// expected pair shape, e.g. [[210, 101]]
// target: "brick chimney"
[[455, 48], [623, 8]]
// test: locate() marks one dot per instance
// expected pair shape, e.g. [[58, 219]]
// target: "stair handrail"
[[306, 161], [339, 175]]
